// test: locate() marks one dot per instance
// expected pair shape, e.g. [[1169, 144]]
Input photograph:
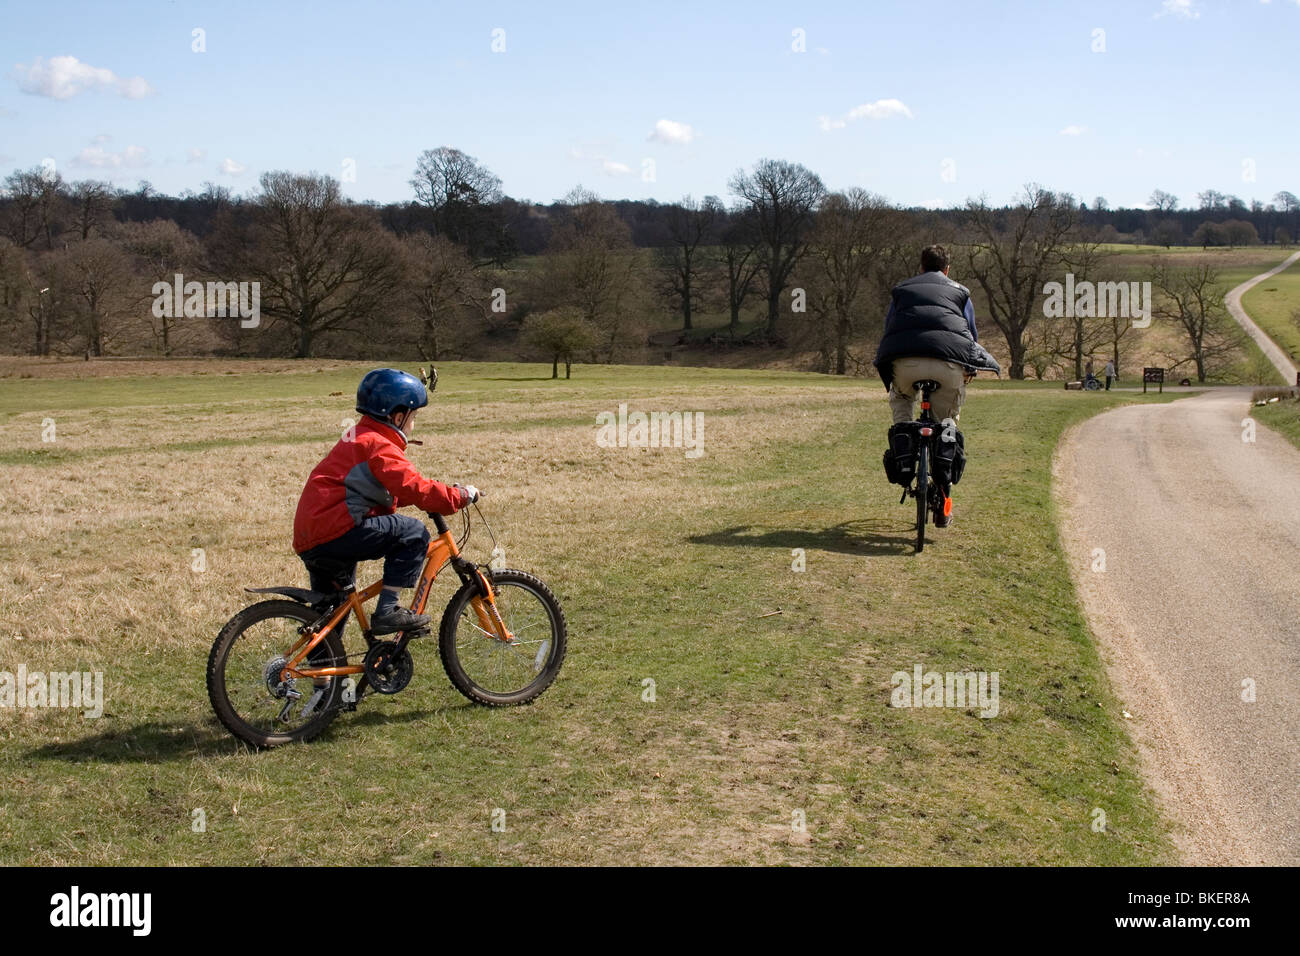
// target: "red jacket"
[[365, 474]]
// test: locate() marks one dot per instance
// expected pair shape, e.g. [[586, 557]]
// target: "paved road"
[[1270, 348], [1201, 592]]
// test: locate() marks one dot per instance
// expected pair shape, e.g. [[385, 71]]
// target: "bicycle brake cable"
[[464, 534], [488, 526]]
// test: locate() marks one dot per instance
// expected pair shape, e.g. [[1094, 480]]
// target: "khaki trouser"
[[944, 403]]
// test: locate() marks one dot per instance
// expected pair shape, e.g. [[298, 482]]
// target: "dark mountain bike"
[[931, 495]]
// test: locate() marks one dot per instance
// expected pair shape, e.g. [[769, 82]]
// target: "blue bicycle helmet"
[[385, 390]]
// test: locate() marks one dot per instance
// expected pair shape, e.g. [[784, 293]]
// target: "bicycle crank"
[[388, 667]]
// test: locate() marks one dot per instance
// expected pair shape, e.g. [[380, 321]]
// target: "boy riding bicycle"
[[347, 510]]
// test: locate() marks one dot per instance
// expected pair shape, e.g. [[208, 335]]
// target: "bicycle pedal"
[[419, 632]]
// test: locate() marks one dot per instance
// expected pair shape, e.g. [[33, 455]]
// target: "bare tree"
[[1191, 298], [33, 197], [44, 318], [164, 250], [12, 288], [1167, 232], [1289, 205], [1011, 253], [1115, 328], [1083, 335], [459, 191], [738, 256], [97, 276], [591, 265], [1163, 202], [691, 226], [783, 197], [850, 231], [1212, 200], [91, 202], [324, 266], [445, 292]]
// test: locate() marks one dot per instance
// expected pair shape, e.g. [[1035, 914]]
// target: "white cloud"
[[101, 139], [100, 158], [1074, 130], [608, 167], [880, 109], [671, 132], [62, 77], [195, 155], [876, 110], [229, 167], [1182, 9]]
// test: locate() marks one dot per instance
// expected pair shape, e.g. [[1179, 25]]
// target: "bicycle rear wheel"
[[244, 683], [922, 493]]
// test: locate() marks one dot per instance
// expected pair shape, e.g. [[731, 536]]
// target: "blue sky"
[[925, 102]]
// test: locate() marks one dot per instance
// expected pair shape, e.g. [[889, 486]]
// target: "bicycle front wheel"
[[922, 493], [486, 669]]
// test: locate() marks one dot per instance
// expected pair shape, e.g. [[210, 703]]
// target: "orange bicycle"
[[279, 671]]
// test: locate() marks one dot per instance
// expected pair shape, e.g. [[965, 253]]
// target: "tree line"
[[463, 271]]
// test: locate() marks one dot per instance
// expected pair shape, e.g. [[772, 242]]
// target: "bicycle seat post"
[[926, 386]]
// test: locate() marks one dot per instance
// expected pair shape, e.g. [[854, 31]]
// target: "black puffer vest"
[[930, 322]]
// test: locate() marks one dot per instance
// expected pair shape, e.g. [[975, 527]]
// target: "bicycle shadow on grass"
[[871, 538], [151, 742], [157, 742]]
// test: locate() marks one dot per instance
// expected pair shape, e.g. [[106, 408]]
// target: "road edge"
[[1272, 351], [1204, 833]]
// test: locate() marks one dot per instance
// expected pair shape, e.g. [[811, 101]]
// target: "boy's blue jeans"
[[402, 541]]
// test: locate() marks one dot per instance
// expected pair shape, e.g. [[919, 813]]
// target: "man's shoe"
[[943, 513], [397, 618]]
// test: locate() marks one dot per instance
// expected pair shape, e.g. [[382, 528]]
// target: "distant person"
[[347, 510], [1110, 374], [930, 334]]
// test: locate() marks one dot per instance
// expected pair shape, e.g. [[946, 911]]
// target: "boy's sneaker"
[[397, 618]]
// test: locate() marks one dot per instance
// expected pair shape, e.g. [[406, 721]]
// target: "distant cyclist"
[[930, 334]]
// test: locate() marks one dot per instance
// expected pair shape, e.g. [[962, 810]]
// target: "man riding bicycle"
[[930, 336]]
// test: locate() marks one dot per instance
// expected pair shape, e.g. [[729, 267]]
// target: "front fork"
[[484, 603]]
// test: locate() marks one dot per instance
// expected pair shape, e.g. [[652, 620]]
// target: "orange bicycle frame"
[[442, 551]]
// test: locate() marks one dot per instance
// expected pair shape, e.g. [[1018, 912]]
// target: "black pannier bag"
[[949, 456], [900, 456]]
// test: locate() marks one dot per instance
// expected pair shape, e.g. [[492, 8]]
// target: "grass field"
[[1282, 417], [1235, 266], [671, 569], [1274, 304]]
